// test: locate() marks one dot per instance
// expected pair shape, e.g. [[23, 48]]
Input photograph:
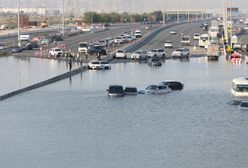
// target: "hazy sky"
[[125, 5]]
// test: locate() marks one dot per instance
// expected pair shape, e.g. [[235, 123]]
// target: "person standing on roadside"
[[70, 64]]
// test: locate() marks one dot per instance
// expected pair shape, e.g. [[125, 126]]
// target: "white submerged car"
[[139, 54], [156, 89], [196, 36], [95, 64], [181, 53]]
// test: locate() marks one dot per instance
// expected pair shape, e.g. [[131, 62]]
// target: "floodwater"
[[73, 123], [17, 72]]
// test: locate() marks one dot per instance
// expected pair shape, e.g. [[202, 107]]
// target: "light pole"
[[164, 14], [188, 9], [18, 23], [63, 17], [178, 12]]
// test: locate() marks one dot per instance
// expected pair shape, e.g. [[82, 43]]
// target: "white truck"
[[213, 52], [185, 40]]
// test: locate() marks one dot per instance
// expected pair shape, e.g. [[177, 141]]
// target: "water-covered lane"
[[73, 123]]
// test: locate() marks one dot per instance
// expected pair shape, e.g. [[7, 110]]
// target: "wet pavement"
[[17, 72]]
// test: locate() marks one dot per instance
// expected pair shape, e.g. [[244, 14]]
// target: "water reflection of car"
[[173, 85], [154, 62], [115, 90], [16, 49], [156, 89], [131, 91]]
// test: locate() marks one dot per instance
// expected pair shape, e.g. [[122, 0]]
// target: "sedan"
[[156, 89], [16, 49], [173, 32], [173, 85]]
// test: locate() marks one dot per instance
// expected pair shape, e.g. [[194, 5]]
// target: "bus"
[[240, 87], [204, 40]]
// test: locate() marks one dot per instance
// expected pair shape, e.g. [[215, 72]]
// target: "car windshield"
[[115, 89], [152, 87], [83, 45], [138, 52], [57, 49], [120, 51], [104, 62], [95, 62], [153, 50], [131, 89]]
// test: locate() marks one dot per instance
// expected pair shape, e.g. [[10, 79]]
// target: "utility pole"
[[18, 23], [188, 9], [231, 24], [178, 19], [63, 17], [164, 14]]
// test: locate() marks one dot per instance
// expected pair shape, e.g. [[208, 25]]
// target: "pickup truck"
[[185, 40]]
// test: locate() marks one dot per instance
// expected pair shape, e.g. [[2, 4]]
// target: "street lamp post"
[[164, 14], [18, 23], [188, 9], [178, 19], [63, 17]]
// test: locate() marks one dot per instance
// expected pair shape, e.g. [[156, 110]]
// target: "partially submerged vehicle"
[[156, 89], [115, 90]]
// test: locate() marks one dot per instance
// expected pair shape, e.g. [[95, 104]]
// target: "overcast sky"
[[126, 5]]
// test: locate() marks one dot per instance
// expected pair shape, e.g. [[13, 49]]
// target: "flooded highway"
[[19, 72], [73, 123]]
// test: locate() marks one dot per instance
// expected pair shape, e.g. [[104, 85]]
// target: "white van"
[[138, 34], [24, 37]]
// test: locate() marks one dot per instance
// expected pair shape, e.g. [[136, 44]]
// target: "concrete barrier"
[[44, 83]]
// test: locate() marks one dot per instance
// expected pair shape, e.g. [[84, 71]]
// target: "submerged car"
[[156, 89], [154, 62], [95, 64], [243, 105], [131, 91], [140, 54], [105, 65], [173, 85], [168, 44], [180, 53], [115, 90]]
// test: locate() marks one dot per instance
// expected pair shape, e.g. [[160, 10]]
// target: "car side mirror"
[[107, 90]]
